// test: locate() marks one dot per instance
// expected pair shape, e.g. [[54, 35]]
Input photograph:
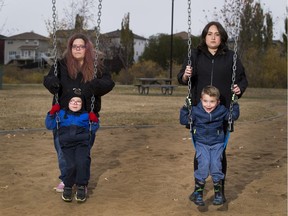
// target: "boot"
[[197, 195], [219, 197]]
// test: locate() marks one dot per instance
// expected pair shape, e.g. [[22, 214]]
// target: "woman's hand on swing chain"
[[187, 73], [54, 85], [236, 89]]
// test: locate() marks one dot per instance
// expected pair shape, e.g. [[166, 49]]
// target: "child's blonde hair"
[[212, 91]]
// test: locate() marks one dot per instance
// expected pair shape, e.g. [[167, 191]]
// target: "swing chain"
[[235, 36], [189, 33], [97, 29], [55, 56], [188, 99], [54, 43]]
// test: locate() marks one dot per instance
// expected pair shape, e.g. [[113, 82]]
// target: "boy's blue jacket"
[[208, 127], [73, 127]]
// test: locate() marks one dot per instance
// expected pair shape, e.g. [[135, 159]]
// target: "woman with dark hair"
[[212, 64], [76, 70]]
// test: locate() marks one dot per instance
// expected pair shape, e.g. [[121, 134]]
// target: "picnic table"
[[163, 83]]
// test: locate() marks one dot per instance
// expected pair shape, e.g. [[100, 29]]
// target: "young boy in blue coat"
[[208, 130], [74, 128]]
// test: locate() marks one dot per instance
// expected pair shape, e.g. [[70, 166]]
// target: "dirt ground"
[[142, 159]]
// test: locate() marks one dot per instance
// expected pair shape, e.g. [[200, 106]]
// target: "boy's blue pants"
[[209, 158]]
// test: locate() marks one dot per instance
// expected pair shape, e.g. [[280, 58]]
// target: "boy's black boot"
[[219, 197], [197, 195]]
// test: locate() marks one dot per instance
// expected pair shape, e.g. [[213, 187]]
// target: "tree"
[[80, 8], [231, 16], [262, 59], [158, 50], [285, 35], [268, 31], [126, 53]]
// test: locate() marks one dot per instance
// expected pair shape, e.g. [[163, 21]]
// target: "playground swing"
[[235, 35], [97, 33]]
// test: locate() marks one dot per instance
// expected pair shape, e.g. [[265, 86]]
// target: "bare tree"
[[230, 14], [80, 8]]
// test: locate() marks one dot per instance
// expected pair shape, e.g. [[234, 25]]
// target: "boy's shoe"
[[67, 194], [60, 187], [197, 195], [219, 197], [197, 198], [81, 194]]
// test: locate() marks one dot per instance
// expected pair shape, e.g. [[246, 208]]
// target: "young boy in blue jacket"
[[207, 120], [74, 127]]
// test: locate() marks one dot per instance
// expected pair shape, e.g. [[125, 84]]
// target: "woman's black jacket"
[[214, 70]]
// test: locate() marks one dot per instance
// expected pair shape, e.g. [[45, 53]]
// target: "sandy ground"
[[148, 171]]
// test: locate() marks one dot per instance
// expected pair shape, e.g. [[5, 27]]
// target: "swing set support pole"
[[1, 76], [171, 42]]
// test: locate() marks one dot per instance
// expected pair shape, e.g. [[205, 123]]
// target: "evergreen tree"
[[268, 31], [127, 44], [284, 36], [158, 50]]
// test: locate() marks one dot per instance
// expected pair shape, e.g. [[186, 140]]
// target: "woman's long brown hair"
[[87, 68]]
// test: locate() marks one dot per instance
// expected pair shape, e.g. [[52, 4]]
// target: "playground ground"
[[142, 160]]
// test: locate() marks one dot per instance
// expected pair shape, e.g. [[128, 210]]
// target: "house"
[[108, 41], [2, 48], [139, 42], [29, 47], [26, 48]]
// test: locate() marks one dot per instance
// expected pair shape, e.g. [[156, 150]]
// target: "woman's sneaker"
[[67, 194], [81, 194], [60, 187]]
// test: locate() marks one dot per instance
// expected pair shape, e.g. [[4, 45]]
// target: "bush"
[[140, 69], [14, 75]]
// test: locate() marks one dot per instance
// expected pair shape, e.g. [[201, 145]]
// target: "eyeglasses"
[[78, 47], [76, 102]]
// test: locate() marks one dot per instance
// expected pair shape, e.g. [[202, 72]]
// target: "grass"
[[25, 106]]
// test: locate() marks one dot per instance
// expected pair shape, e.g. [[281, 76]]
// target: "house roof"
[[183, 35], [117, 34], [27, 36], [2, 37]]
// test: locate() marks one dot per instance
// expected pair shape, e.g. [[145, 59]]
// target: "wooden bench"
[[165, 88]]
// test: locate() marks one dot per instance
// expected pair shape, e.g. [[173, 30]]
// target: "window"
[[10, 42], [11, 53]]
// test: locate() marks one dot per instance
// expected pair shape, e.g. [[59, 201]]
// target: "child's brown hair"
[[212, 91]]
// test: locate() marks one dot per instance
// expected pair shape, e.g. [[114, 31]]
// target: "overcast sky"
[[147, 17]]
